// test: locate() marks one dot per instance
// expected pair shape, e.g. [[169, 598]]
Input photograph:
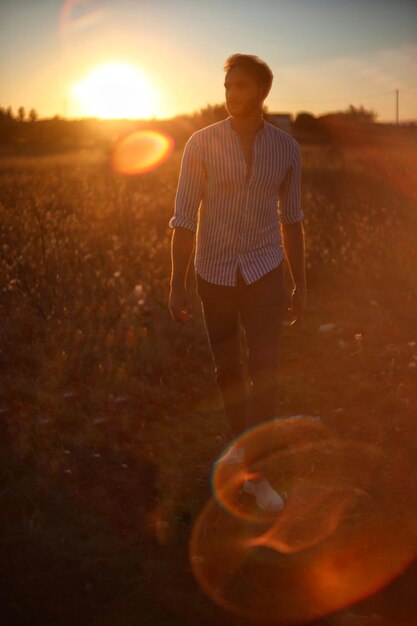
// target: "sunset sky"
[[165, 57]]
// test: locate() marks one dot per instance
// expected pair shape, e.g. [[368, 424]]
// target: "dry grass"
[[110, 420]]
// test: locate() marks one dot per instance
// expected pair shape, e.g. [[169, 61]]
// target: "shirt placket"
[[245, 186]]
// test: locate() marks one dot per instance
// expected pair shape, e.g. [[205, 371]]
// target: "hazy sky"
[[325, 54]]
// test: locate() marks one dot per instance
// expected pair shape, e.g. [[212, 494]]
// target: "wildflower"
[[120, 399], [68, 394], [139, 291], [197, 559], [326, 328]]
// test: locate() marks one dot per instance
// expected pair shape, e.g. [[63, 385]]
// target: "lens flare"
[[262, 445], [76, 15], [348, 527], [141, 151]]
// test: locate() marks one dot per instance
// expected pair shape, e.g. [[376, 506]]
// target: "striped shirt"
[[237, 221]]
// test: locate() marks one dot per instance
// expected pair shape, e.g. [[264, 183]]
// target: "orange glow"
[[345, 532], [141, 151]]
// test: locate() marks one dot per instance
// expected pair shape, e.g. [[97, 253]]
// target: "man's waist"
[[222, 270]]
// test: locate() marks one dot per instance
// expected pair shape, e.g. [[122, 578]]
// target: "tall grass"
[[109, 416]]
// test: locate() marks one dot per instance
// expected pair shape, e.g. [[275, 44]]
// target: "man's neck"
[[248, 124]]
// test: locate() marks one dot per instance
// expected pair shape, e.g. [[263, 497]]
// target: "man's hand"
[[298, 305], [181, 248], [293, 235], [178, 304]]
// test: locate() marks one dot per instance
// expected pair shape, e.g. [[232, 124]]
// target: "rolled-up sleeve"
[[290, 191], [191, 185]]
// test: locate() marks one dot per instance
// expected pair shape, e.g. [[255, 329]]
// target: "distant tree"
[[210, 114], [7, 124], [33, 115], [306, 122], [360, 114], [21, 113]]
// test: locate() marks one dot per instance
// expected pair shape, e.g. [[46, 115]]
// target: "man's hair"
[[253, 65]]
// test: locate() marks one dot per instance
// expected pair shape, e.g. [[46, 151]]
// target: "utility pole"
[[397, 106]]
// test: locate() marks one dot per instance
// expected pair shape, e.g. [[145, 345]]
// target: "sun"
[[116, 90]]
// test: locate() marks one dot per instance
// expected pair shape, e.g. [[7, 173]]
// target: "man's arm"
[[293, 239], [182, 244], [190, 191]]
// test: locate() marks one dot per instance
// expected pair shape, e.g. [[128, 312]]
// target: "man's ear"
[[264, 91]]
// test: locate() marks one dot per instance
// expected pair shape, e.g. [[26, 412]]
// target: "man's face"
[[243, 94]]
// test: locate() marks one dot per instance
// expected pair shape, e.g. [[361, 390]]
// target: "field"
[[110, 420]]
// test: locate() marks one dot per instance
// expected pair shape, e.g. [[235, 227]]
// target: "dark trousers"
[[259, 309]]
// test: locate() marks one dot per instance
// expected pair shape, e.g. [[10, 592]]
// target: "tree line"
[[7, 116], [27, 129]]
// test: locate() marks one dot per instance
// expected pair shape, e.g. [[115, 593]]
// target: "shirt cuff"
[[292, 217], [182, 222]]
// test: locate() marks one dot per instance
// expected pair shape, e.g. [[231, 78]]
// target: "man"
[[239, 190]]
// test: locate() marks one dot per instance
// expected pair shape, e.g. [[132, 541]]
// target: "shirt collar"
[[261, 131]]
